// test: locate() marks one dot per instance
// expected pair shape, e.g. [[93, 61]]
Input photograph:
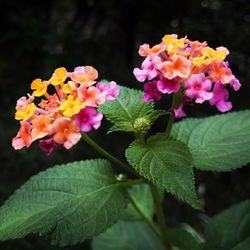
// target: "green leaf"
[[142, 197], [127, 236], [217, 143], [128, 107], [183, 239], [167, 163], [68, 203], [229, 230]]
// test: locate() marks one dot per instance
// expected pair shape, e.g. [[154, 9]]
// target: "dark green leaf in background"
[[128, 236], [142, 197], [184, 239], [229, 230]]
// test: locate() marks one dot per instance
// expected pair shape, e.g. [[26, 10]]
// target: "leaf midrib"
[[176, 180], [164, 166], [47, 211]]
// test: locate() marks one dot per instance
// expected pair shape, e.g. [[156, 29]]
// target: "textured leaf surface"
[[127, 107], [217, 143], [142, 197], [127, 236], [68, 203], [167, 163], [229, 230]]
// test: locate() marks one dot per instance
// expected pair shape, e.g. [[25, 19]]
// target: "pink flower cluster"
[[192, 68], [61, 115]]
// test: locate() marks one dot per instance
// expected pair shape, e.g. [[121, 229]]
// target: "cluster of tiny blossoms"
[[60, 117], [198, 71]]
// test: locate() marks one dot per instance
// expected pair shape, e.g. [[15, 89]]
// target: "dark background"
[[38, 36]]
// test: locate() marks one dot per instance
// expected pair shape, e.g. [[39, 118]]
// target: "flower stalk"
[[147, 220], [160, 216]]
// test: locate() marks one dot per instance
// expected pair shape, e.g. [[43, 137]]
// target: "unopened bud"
[[142, 124]]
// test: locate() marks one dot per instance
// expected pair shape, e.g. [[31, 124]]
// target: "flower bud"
[[142, 124]]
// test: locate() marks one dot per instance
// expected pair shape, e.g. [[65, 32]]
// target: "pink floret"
[[151, 92], [109, 91], [198, 87], [165, 85], [149, 68], [220, 96], [47, 145], [88, 118]]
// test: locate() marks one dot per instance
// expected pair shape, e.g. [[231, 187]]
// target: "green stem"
[[132, 182], [160, 216], [107, 155], [177, 98], [148, 221]]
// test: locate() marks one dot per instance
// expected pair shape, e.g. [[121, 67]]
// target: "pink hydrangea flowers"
[[59, 118], [192, 68]]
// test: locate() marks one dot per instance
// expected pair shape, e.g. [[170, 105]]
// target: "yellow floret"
[[173, 44], [26, 113], [71, 106], [208, 56], [214, 54], [39, 87], [59, 76], [69, 87]]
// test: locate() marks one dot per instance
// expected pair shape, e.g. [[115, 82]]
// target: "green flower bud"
[[142, 124]]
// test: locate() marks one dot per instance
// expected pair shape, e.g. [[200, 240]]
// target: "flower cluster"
[[66, 106], [199, 72]]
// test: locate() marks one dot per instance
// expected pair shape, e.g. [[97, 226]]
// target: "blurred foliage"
[[38, 36]]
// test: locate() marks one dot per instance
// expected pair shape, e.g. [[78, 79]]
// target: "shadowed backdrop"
[[39, 36]]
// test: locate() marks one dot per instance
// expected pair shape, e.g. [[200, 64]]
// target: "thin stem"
[[107, 155], [149, 222], [160, 216], [177, 98], [140, 136], [170, 124]]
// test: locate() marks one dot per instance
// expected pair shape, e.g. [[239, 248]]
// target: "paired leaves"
[[126, 109], [229, 230], [217, 143], [167, 163], [127, 236], [67, 203]]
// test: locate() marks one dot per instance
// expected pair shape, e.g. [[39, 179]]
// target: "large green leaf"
[[217, 143], [167, 163], [127, 236], [67, 203], [229, 230], [142, 197], [128, 112]]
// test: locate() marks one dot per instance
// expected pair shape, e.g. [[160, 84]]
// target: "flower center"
[[197, 86]]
